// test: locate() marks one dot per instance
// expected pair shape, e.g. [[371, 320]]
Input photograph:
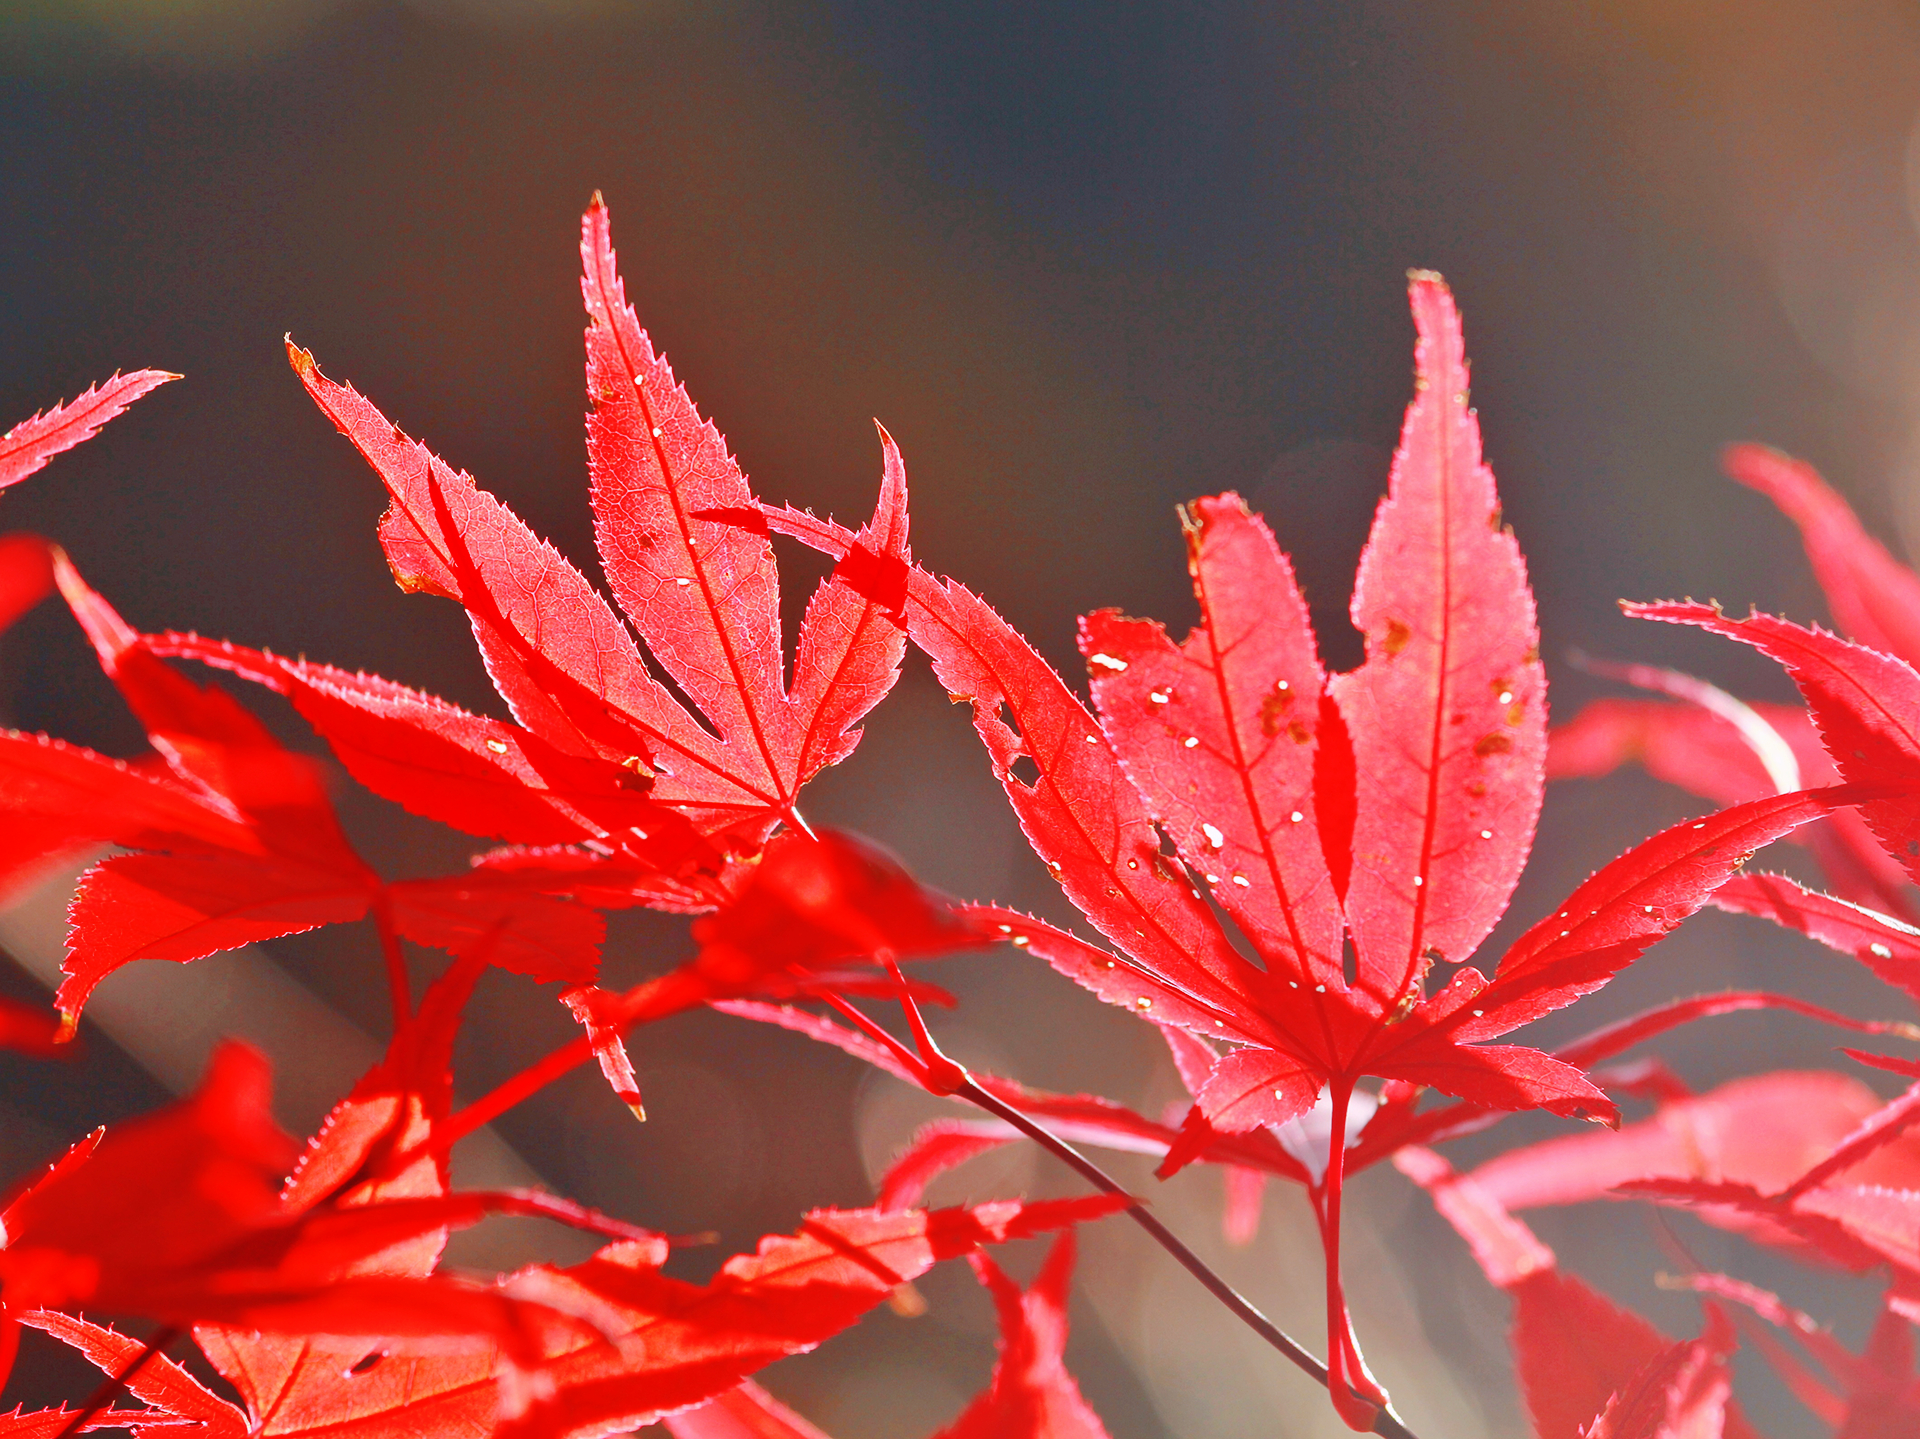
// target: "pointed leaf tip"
[[30, 444]]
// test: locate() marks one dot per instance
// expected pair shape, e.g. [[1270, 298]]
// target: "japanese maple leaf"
[[661, 1345], [1864, 702], [1588, 1369], [31, 443], [1763, 1131], [26, 573], [179, 1216], [482, 775], [697, 583], [1873, 599], [1865, 706], [1727, 751], [1871, 1395], [237, 839], [1031, 1394], [810, 914], [172, 1399], [1808, 1162], [1889, 947], [1392, 807]]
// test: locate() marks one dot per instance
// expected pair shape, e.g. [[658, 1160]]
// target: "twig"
[[1385, 1422]]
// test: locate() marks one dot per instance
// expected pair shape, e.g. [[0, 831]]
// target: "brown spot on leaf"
[[1273, 707], [1493, 520], [1396, 637], [1299, 733], [1515, 713], [1492, 744], [1476, 788]]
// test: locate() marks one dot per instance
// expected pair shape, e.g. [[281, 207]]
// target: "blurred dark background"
[[1085, 261]]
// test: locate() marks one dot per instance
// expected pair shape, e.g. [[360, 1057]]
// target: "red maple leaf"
[[1811, 1162], [179, 1216], [32, 442], [1392, 807], [1588, 1369], [319, 1302], [1721, 752], [809, 912], [1865, 704], [658, 1344], [1764, 1131], [238, 841], [1873, 599], [26, 570], [174, 1400], [1030, 1396], [692, 567], [1871, 1395], [1889, 947]]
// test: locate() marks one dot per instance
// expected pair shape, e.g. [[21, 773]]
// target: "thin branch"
[[1385, 1422]]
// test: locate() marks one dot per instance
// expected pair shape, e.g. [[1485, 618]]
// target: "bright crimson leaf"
[[811, 905], [1871, 1395], [1700, 751], [688, 1342], [242, 842], [160, 1383], [1765, 1131], [1889, 947], [178, 1216], [26, 575], [31, 443], [1866, 704], [1875, 599], [1586, 1366], [474, 773], [1448, 716], [1399, 814], [1096, 828], [700, 589], [1031, 1395]]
